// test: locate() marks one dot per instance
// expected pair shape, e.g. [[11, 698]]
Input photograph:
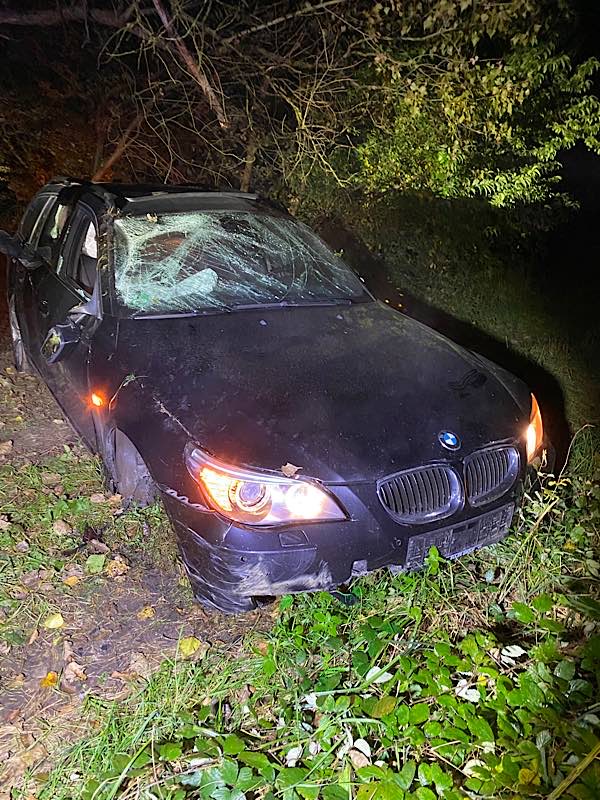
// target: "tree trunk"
[[124, 141], [251, 149]]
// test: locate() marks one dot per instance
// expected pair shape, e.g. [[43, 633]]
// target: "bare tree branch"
[[192, 66], [283, 18]]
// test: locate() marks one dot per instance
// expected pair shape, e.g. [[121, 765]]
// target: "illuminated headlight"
[[256, 498], [534, 435]]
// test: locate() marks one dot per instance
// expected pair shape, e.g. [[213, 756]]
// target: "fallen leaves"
[[6, 447], [116, 567], [53, 621], [4, 523], [50, 680], [139, 665], [147, 612], [95, 563], [61, 528], [74, 672], [97, 498], [192, 646]]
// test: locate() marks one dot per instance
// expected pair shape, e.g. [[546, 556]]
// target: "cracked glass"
[[222, 260]]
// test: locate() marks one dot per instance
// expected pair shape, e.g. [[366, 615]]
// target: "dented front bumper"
[[225, 560]]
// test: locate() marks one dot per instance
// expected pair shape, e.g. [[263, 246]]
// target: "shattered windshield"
[[222, 260]]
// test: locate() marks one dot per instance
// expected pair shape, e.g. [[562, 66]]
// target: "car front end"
[[253, 533]]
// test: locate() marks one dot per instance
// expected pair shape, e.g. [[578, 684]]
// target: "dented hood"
[[348, 393]]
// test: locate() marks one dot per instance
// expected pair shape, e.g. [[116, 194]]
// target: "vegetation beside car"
[[475, 678]]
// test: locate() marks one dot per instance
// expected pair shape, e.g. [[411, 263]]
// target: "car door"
[[62, 290], [36, 311], [20, 291]]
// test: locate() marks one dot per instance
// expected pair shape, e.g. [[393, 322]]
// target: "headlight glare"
[[534, 436], [255, 498]]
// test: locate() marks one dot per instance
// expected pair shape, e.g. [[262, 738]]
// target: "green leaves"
[[418, 713]]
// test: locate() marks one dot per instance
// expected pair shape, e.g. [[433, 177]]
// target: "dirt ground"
[[115, 632]]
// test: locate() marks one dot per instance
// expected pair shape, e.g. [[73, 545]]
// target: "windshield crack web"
[[186, 262]]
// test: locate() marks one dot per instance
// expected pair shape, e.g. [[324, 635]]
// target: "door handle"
[[43, 308]]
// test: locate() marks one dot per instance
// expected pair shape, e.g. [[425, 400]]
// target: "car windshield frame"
[[152, 251]]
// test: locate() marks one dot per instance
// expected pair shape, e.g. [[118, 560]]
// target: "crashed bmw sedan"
[[216, 354]]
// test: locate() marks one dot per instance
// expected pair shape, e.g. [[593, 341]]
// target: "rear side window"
[[80, 252], [55, 224], [34, 218]]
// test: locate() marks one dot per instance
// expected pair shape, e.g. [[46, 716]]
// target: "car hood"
[[347, 393]]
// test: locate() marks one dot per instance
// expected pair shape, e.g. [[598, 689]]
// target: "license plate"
[[461, 538]]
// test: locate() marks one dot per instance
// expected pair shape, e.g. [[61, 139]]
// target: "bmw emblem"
[[449, 440]]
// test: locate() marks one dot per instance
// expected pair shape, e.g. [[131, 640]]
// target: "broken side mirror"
[[60, 341], [11, 247]]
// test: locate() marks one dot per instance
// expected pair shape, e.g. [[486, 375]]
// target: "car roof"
[[142, 198]]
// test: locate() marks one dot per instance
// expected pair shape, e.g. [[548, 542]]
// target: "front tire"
[[127, 474], [20, 359]]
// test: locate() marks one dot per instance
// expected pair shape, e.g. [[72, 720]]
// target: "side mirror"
[[60, 341], [11, 247]]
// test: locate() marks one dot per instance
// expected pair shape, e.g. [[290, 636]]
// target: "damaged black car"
[[217, 354]]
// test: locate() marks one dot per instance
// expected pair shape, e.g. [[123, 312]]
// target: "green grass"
[[47, 515], [478, 678]]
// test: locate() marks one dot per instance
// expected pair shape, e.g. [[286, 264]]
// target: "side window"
[[80, 252], [34, 218], [55, 224]]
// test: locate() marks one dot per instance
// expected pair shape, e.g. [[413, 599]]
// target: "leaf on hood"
[[289, 470], [53, 621]]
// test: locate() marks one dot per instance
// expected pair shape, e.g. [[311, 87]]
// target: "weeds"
[[478, 678]]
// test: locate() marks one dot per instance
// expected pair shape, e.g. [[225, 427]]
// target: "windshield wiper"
[[201, 312], [337, 301]]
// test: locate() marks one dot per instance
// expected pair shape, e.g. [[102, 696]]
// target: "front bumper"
[[224, 559]]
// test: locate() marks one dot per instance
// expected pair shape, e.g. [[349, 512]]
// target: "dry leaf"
[[115, 500], [116, 566], [147, 612], [16, 682], [34, 635], [289, 470], [96, 546], [71, 580], [50, 680], [6, 447], [358, 759], [74, 672], [139, 665], [97, 498], [50, 478], [4, 523], [189, 646], [61, 528], [53, 621]]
